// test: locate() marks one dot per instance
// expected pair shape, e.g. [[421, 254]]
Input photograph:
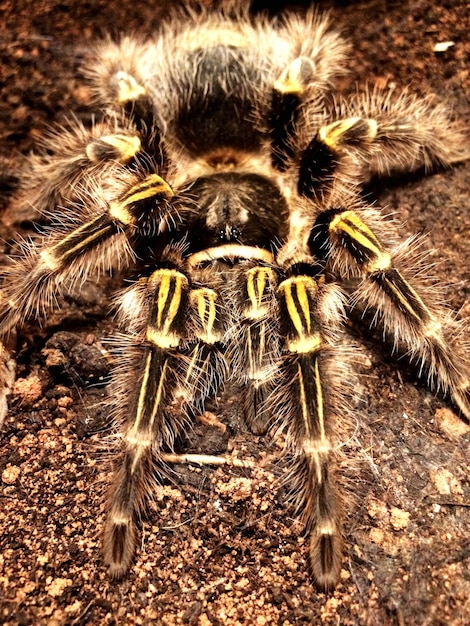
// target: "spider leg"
[[257, 349], [318, 55], [173, 333], [100, 186], [410, 132], [204, 367], [120, 78], [74, 160], [285, 105], [308, 399], [376, 135], [31, 284], [426, 330]]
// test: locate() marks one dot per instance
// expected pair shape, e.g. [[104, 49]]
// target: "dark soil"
[[225, 549]]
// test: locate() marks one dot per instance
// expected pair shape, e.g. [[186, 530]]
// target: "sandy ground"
[[224, 548]]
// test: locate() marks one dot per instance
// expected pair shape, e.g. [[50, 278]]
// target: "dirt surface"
[[224, 548]]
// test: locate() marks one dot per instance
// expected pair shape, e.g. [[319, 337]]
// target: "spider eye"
[[230, 233]]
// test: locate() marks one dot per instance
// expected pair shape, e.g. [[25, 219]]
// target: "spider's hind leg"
[[74, 160], [375, 135], [121, 79], [409, 132]]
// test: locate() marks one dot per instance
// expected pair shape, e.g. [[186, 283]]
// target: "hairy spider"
[[225, 178]]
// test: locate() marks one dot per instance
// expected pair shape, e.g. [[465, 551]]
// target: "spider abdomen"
[[217, 108]]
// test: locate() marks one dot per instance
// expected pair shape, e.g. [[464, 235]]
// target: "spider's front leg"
[[295, 375], [424, 330], [97, 237], [310, 396], [257, 349], [169, 362]]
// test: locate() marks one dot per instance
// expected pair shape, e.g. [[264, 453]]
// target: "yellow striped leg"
[[409, 132], [307, 407], [261, 344], [203, 368], [379, 135], [147, 424], [326, 162], [127, 91], [32, 284], [76, 157], [181, 364], [425, 330], [289, 90]]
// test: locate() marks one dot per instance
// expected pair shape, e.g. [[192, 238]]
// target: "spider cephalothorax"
[[225, 177]]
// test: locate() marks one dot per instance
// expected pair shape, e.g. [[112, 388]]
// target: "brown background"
[[227, 551]]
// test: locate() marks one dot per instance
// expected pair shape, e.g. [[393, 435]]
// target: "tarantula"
[[225, 178]]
